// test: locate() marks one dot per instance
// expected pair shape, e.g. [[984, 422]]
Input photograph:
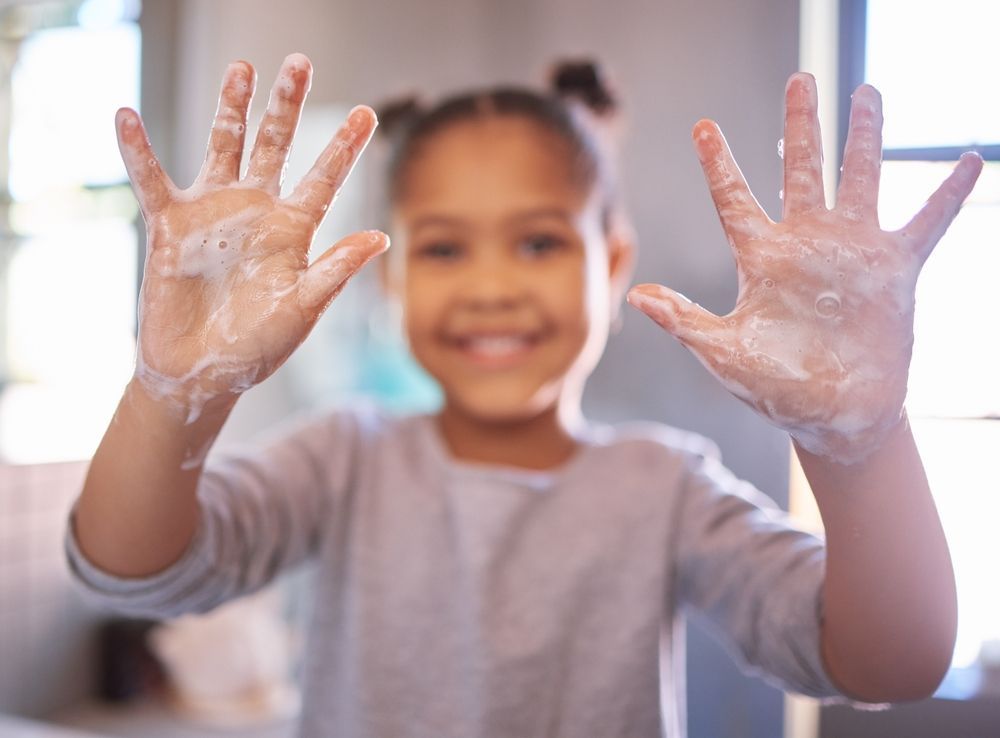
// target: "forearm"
[[138, 511], [889, 594]]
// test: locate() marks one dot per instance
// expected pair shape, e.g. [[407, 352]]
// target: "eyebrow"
[[539, 213], [430, 221]]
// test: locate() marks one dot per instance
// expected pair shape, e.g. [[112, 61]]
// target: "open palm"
[[820, 339], [228, 292]]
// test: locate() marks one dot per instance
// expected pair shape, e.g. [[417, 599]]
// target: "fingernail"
[[125, 118], [643, 296], [797, 77], [378, 236], [866, 89], [639, 300], [654, 295], [298, 60], [361, 114], [703, 129], [239, 71], [647, 290]]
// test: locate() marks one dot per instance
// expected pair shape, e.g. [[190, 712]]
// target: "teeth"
[[496, 345]]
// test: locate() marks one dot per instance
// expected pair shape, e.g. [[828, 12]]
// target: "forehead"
[[492, 164]]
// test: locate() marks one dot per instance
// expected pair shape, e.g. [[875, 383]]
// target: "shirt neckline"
[[588, 436]]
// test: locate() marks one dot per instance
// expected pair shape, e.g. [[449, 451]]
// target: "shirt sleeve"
[[754, 578], [261, 512]]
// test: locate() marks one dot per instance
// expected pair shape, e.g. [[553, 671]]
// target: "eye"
[[440, 251], [540, 244]]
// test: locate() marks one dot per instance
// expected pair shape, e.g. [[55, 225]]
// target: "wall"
[[47, 656], [674, 62]]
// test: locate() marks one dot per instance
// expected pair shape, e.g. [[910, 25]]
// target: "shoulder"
[[327, 447], [644, 455], [654, 441], [325, 435], [356, 419], [363, 430], [682, 459]]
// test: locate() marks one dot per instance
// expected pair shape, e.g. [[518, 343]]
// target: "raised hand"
[[820, 339], [228, 292]]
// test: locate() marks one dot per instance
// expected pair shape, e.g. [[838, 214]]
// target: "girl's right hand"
[[228, 292]]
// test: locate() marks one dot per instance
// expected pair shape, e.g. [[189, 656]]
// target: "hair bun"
[[396, 116], [582, 80]]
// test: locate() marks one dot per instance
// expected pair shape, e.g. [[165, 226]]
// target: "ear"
[[621, 263]]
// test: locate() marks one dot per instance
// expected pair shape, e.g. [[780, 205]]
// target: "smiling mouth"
[[495, 349]]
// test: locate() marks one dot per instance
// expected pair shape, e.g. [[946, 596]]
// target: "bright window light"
[[67, 85], [936, 64], [963, 466], [68, 279], [956, 362]]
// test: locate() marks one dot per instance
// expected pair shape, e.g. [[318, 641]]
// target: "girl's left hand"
[[820, 339]]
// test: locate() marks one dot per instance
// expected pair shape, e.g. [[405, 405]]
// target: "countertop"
[[14, 727], [152, 719], [147, 719]]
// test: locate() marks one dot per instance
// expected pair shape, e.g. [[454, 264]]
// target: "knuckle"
[[274, 136], [290, 91], [231, 117], [224, 154], [344, 151]]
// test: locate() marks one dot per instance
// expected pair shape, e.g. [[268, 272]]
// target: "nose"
[[493, 283]]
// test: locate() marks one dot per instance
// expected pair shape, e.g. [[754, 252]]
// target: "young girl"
[[502, 567]]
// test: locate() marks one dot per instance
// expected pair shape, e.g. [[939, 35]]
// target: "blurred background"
[[71, 252]]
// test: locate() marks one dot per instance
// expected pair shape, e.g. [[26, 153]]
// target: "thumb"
[[326, 277], [691, 324]]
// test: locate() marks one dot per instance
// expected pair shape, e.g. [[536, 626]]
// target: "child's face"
[[503, 267]]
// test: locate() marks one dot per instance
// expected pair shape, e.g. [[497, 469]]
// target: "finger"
[[857, 196], [225, 145], [320, 185], [923, 232], [326, 277], [691, 324], [153, 188], [803, 150], [277, 128], [742, 217]]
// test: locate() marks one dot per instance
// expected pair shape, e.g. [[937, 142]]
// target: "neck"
[[541, 441]]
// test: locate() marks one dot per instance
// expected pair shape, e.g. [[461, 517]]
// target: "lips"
[[493, 349]]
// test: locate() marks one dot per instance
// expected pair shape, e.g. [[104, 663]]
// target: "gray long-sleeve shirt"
[[463, 600]]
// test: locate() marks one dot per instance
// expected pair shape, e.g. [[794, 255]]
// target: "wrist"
[[847, 446], [177, 408], [184, 433], [836, 483], [184, 398]]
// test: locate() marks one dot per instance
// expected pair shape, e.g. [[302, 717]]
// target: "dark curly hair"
[[580, 109]]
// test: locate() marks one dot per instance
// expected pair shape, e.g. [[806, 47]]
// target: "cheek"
[[574, 294], [416, 321], [420, 337], [423, 309]]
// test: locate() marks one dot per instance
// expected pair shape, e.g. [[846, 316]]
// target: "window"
[[935, 65], [68, 239]]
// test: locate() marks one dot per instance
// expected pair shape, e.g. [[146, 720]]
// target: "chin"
[[500, 409]]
